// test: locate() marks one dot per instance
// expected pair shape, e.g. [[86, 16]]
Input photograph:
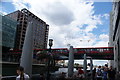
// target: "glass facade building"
[[0, 30], [8, 31]]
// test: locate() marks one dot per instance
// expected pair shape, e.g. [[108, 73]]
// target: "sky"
[[80, 23]]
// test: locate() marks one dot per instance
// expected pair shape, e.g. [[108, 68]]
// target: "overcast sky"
[[80, 23]]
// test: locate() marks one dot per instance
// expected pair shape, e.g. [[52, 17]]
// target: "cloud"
[[3, 13], [102, 0], [70, 21], [101, 44], [58, 14], [106, 16], [104, 37], [102, 41], [19, 4]]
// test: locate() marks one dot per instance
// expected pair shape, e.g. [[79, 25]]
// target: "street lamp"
[[85, 61], [85, 42], [50, 43], [49, 57]]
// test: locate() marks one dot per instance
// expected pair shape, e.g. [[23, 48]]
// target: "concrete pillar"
[[91, 64], [91, 67], [71, 62], [85, 65], [27, 51]]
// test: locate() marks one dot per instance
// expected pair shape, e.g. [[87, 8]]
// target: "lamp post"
[[85, 60], [50, 44], [49, 57], [85, 65], [85, 42], [91, 67]]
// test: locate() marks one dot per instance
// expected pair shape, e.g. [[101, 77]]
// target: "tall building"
[[7, 32], [115, 33], [40, 29], [110, 44]]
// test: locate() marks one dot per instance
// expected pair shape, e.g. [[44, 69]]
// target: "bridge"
[[104, 53], [101, 53]]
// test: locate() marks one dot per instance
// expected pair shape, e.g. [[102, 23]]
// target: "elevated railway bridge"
[[101, 53]]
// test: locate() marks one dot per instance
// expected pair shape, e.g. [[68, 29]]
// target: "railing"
[[65, 50], [34, 77], [9, 78]]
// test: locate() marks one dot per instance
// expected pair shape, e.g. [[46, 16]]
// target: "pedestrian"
[[118, 75], [105, 73], [80, 73], [21, 74], [99, 73], [42, 77], [94, 74], [62, 76], [75, 74], [111, 73]]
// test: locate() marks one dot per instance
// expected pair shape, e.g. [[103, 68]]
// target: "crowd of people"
[[105, 73], [98, 73]]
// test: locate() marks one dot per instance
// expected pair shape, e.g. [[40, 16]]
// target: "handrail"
[[14, 77], [8, 78]]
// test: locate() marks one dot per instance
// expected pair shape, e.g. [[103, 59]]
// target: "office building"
[[115, 33], [40, 29], [7, 32]]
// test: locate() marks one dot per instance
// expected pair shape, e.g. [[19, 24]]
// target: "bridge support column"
[[27, 51], [85, 65], [91, 67], [71, 62]]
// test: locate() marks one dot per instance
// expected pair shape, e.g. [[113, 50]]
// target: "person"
[[21, 74], [62, 76], [99, 73], [105, 73], [75, 74], [42, 77], [111, 73], [94, 74], [80, 73], [118, 75]]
